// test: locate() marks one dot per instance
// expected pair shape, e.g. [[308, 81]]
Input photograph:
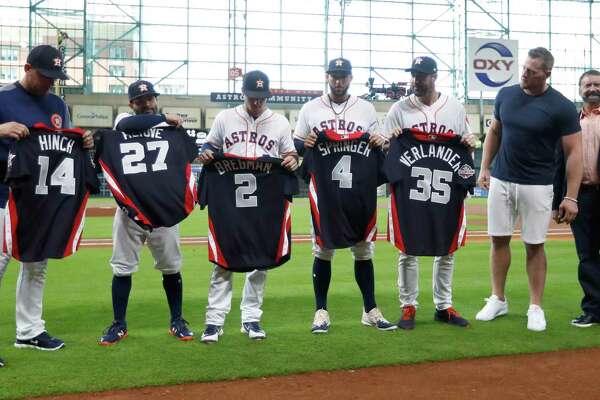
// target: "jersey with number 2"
[[149, 173], [50, 177], [429, 176]]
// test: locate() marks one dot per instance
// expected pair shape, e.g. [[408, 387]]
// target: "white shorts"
[[507, 201]]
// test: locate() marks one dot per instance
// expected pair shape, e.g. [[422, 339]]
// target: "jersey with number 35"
[[429, 175], [50, 177], [149, 173], [343, 173]]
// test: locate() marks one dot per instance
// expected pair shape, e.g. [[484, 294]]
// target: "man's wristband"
[[571, 199]]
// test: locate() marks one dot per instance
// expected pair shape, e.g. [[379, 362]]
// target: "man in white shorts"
[[248, 130], [432, 112], [529, 121]]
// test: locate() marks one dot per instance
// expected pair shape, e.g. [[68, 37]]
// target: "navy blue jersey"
[[149, 173], [17, 105], [249, 213], [50, 177], [429, 175], [343, 173], [531, 129]]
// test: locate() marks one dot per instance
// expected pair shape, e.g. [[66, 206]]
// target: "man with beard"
[[128, 237], [586, 226], [530, 119], [431, 112], [343, 114]]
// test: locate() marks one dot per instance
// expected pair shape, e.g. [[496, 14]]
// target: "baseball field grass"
[[78, 308]]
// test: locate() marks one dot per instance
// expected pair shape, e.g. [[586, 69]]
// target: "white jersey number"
[[437, 180], [134, 155], [243, 194], [341, 172], [62, 176]]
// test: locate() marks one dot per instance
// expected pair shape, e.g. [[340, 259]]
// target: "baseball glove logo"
[[466, 171]]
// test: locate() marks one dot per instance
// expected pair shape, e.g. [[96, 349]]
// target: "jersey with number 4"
[[149, 173], [50, 177], [429, 175], [249, 213], [343, 173]]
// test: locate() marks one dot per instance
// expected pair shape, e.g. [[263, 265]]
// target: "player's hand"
[[174, 119], [469, 140], [484, 178], [13, 130], [555, 216], [396, 132], [377, 141], [290, 163], [310, 140], [207, 156], [88, 140], [567, 211]]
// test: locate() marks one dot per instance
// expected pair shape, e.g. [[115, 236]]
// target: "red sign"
[[234, 72]]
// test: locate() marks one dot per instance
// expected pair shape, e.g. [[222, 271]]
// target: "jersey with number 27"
[[50, 177], [149, 173], [429, 176]]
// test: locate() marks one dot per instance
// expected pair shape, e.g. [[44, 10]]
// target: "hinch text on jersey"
[[224, 166], [152, 133], [56, 142], [355, 146], [409, 157]]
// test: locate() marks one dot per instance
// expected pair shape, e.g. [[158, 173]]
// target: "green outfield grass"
[[78, 308], [196, 224]]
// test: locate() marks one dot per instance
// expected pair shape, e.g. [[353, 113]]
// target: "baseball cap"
[[256, 85], [141, 88], [340, 65], [48, 61], [424, 65]]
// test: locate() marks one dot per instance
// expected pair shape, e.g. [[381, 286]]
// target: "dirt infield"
[[557, 375]]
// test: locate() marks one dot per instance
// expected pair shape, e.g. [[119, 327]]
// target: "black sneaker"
[[179, 329], [1, 363], [43, 341], [114, 333], [407, 320], [585, 321], [450, 316]]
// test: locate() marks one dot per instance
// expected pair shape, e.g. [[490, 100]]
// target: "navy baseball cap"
[[48, 61], [339, 65], [256, 85], [141, 88], [423, 65]]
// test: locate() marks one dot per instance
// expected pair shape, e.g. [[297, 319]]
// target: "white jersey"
[[445, 115], [322, 114], [237, 132]]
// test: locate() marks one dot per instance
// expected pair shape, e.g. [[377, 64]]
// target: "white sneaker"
[[536, 321], [321, 322], [211, 334], [375, 318], [253, 330], [493, 308]]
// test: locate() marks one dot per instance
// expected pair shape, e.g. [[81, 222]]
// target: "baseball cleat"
[[407, 320], [321, 322], [494, 307], [43, 341], [179, 329], [253, 330], [450, 316], [211, 334], [585, 321], [116, 332], [375, 319]]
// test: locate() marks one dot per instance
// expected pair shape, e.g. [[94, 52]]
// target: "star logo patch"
[[339, 62], [57, 62], [143, 87], [418, 60], [259, 83]]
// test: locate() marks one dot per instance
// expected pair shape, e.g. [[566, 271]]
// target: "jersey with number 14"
[[50, 177], [429, 176], [343, 173], [149, 173]]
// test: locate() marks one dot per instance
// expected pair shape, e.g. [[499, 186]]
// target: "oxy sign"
[[492, 64]]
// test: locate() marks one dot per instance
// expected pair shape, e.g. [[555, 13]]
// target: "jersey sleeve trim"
[[75, 236], [11, 221]]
